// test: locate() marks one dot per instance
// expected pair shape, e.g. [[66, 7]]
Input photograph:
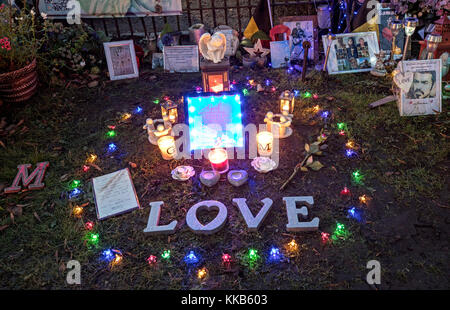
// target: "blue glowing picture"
[[214, 119]]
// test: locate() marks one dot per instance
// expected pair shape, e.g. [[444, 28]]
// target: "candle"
[[264, 140], [167, 147], [219, 160]]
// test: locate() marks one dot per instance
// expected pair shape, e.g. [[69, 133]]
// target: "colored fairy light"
[[350, 144], [274, 255], [273, 89], [350, 153], [112, 147], [166, 254], [315, 96], [290, 70], [118, 257], [342, 132], [93, 238], [202, 273], [152, 260], [126, 116], [253, 254], [245, 92], [325, 237], [74, 193], [226, 258], [296, 92], [89, 225], [86, 168], [77, 211], [307, 95], [364, 199], [316, 108], [107, 255], [75, 184], [292, 246], [191, 258], [111, 134], [268, 82], [341, 126], [345, 192], [91, 158], [355, 213], [340, 232], [138, 110], [198, 89], [156, 101], [357, 176], [325, 114]]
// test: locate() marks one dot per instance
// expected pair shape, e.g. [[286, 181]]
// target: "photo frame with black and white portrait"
[[419, 85], [352, 52], [303, 28], [121, 59]]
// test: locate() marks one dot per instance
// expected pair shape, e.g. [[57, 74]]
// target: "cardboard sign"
[[181, 58]]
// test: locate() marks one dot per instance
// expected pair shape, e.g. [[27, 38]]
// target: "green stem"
[[296, 169]]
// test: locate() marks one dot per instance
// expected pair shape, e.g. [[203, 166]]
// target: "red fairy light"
[[112, 127], [89, 225], [345, 192], [86, 168], [342, 132], [226, 258], [152, 260], [325, 237], [316, 96]]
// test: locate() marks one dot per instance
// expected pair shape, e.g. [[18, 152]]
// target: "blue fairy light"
[[268, 82], [350, 153], [325, 114], [138, 110], [74, 193], [274, 255], [191, 258], [355, 213], [107, 255], [112, 147]]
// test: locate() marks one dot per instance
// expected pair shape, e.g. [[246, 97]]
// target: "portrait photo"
[[352, 52], [303, 28], [386, 15], [121, 60], [421, 87], [279, 53]]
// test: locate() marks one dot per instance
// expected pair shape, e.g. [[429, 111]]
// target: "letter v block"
[[292, 213], [253, 222], [22, 176]]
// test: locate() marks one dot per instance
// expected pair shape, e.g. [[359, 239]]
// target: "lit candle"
[[219, 160], [167, 147], [265, 143]]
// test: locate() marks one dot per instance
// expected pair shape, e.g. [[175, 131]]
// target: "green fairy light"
[[75, 184], [156, 101], [166, 254], [245, 92], [357, 176], [253, 255], [307, 95], [341, 126], [111, 134], [340, 232], [93, 238]]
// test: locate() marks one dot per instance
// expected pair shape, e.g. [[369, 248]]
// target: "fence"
[[235, 13]]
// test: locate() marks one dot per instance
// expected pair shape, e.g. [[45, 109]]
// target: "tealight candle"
[[219, 160], [264, 140], [167, 147]]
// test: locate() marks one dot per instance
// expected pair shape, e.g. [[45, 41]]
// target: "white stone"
[[212, 227], [292, 211], [209, 178], [253, 222], [237, 177], [153, 226]]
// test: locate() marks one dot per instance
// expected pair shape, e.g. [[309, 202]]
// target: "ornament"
[[183, 173], [213, 47], [263, 164]]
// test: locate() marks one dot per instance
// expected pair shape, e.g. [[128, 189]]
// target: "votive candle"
[[219, 160], [167, 147], [264, 140]]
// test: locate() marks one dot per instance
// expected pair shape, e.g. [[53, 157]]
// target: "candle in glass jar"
[[264, 140], [219, 160], [167, 147]]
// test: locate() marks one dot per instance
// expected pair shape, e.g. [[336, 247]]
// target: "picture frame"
[[419, 87], [302, 27], [181, 58], [279, 54], [352, 52], [385, 15], [121, 60]]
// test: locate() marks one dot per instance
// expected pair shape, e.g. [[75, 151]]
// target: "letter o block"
[[212, 227]]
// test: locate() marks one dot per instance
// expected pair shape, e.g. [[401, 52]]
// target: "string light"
[[341, 126], [253, 255], [89, 225], [75, 184], [92, 158], [202, 273], [315, 96], [325, 237], [355, 213], [226, 259], [111, 134], [292, 246], [138, 110], [112, 147], [118, 257], [350, 144], [166, 255], [342, 132], [274, 255], [156, 101], [86, 168], [93, 238], [316, 108], [191, 258], [350, 153], [307, 95], [364, 199], [245, 92], [74, 193], [152, 260], [77, 211], [339, 232], [325, 114], [345, 192], [357, 176], [126, 116], [107, 255]]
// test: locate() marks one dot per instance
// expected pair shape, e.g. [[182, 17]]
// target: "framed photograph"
[[385, 15], [303, 28], [420, 83], [352, 52], [181, 58], [121, 59], [279, 53]]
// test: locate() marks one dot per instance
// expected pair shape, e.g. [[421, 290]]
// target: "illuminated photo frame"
[[214, 120]]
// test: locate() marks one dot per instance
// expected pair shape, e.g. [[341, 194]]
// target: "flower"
[[44, 15], [263, 164], [5, 44]]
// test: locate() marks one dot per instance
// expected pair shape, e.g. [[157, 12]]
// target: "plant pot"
[[19, 85]]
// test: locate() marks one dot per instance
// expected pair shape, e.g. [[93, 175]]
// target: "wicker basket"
[[19, 85]]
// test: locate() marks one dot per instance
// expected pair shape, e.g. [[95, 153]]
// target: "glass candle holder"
[[433, 41], [264, 141], [167, 147], [219, 160]]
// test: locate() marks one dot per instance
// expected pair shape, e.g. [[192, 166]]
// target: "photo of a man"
[[300, 31], [423, 85]]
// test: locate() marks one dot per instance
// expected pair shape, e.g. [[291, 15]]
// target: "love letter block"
[[37, 175]]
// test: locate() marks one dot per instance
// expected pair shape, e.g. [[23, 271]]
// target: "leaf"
[[314, 148], [304, 169], [309, 161], [316, 166], [307, 147]]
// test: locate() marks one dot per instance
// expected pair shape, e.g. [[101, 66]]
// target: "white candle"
[[167, 147], [264, 140]]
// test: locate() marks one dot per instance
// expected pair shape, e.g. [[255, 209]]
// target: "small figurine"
[[213, 47], [379, 69]]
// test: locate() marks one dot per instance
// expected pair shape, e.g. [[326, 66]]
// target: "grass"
[[403, 159]]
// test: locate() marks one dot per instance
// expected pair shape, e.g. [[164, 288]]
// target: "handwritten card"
[[114, 194], [181, 58]]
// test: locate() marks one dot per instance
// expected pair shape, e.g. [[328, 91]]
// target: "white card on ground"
[[114, 194], [181, 58]]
